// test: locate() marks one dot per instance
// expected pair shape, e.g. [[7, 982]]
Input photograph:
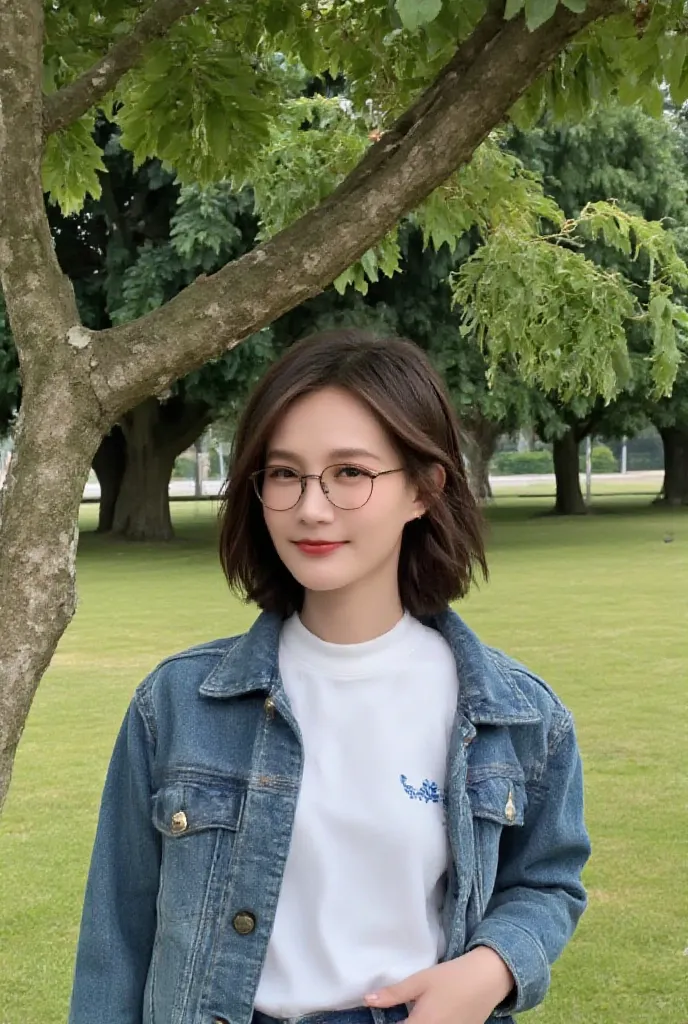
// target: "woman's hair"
[[395, 379]]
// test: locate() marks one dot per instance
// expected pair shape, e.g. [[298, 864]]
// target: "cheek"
[[385, 520]]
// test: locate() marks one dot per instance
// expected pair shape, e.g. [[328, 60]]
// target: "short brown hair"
[[395, 379]]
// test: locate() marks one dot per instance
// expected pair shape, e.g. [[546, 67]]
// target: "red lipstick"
[[318, 547]]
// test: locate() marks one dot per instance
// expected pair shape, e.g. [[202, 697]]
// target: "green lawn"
[[598, 606]]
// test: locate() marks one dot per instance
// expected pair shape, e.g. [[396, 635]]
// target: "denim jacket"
[[197, 812]]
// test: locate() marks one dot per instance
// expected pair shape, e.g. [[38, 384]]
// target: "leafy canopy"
[[220, 102]]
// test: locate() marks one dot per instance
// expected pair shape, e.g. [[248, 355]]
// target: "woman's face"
[[329, 427]]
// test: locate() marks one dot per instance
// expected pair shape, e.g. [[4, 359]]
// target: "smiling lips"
[[318, 547]]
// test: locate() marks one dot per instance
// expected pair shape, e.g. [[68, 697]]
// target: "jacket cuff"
[[525, 958]]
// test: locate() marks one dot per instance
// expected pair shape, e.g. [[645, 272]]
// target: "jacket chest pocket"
[[498, 800], [198, 821]]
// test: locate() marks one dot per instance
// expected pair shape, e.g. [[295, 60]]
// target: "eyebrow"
[[338, 453]]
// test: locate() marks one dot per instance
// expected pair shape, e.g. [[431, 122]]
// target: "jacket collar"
[[488, 692]]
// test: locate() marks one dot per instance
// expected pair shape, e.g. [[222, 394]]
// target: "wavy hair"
[[394, 378]]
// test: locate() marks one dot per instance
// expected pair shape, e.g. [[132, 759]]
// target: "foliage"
[[551, 308], [184, 468], [220, 99], [522, 463], [602, 458], [541, 461], [640, 162], [71, 166]]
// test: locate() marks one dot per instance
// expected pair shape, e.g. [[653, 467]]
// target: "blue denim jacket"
[[197, 812]]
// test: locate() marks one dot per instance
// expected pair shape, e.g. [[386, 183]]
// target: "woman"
[[356, 810]]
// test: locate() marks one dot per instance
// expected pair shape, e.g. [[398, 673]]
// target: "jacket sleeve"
[[119, 914], [538, 896]]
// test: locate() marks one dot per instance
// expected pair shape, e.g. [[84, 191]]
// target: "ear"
[[439, 478]]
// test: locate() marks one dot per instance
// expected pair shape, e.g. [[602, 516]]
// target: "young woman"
[[356, 811]]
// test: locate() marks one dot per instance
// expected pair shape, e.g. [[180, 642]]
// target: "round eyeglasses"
[[347, 487]]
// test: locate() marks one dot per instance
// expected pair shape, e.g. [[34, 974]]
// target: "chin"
[[321, 582], [320, 585]]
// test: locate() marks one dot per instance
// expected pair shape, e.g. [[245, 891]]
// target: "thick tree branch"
[[491, 70], [489, 26], [65, 106], [58, 429]]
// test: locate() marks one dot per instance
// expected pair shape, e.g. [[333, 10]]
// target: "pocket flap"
[[182, 808], [497, 798]]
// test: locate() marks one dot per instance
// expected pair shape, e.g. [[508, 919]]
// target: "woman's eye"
[[350, 472], [281, 473]]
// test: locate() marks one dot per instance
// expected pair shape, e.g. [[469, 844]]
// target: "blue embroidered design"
[[429, 791]]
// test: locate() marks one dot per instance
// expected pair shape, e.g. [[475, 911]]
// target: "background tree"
[[626, 155], [204, 87]]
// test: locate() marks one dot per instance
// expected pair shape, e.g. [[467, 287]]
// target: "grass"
[[596, 605]]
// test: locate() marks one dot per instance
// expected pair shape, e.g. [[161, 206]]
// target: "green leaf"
[[513, 7], [674, 70], [576, 6], [538, 12], [653, 101], [71, 163], [415, 13]]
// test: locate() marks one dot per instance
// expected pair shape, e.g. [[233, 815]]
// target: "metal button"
[[244, 922], [219, 1020], [269, 707], [179, 822], [510, 809]]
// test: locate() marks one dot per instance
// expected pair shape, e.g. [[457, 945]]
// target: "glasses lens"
[[347, 486], [278, 487]]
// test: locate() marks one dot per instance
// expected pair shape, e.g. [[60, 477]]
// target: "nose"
[[314, 507]]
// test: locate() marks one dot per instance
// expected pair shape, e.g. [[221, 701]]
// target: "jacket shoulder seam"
[[144, 707], [199, 651], [143, 696]]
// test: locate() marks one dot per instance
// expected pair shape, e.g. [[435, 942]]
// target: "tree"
[[626, 155], [203, 86]]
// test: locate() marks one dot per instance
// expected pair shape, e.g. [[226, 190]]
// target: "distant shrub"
[[184, 468], [603, 460], [522, 463], [541, 462]]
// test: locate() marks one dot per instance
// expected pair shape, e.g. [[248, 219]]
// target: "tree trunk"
[[108, 465], [142, 511], [60, 421], [39, 507], [569, 500], [675, 488], [482, 436], [154, 433]]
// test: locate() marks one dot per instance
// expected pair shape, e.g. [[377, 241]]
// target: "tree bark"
[[108, 465], [154, 434], [675, 487], [59, 425], [569, 500], [482, 435]]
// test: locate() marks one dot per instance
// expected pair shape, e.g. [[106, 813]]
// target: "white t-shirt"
[[365, 877]]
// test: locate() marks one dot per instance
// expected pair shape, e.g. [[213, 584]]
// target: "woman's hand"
[[461, 991]]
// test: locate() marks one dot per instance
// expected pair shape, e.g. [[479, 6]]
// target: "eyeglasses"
[[347, 487]]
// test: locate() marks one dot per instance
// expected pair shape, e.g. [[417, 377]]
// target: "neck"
[[347, 617]]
